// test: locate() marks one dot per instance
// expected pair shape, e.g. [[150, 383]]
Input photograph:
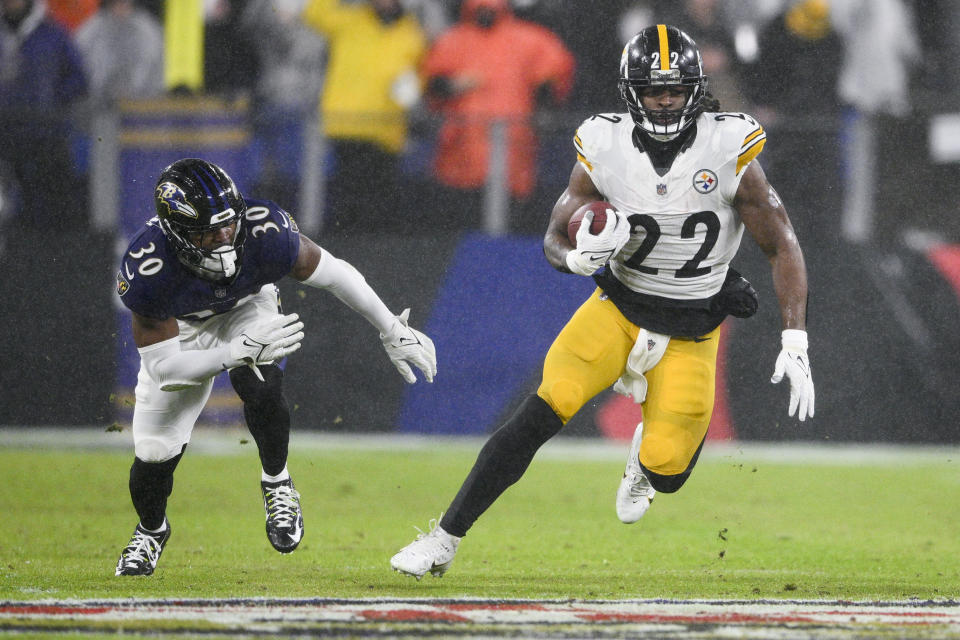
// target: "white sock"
[[283, 475], [449, 535], [162, 528]]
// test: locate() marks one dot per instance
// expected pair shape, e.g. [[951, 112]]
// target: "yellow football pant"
[[590, 353]]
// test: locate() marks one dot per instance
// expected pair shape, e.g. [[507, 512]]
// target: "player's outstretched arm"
[[158, 343], [764, 215], [404, 345]]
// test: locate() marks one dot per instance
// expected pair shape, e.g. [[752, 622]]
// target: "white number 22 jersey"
[[684, 230]]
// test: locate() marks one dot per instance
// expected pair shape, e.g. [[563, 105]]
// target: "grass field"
[[746, 526]]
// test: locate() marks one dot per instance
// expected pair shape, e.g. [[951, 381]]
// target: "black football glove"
[[736, 297]]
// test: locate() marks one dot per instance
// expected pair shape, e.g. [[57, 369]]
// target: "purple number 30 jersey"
[[152, 282]]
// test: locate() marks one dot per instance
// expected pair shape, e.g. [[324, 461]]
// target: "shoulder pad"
[[743, 133], [595, 135], [267, 211], [148, 268]]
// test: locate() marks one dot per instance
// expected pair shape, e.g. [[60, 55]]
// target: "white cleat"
[[635, 493], [432, 551]]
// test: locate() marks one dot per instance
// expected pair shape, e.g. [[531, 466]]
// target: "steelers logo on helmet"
[[662, 57], [201, 213]]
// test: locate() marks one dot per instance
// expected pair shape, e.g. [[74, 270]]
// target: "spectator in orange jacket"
[[490, 65]]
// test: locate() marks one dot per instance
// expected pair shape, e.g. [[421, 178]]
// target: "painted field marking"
[[498, 618]]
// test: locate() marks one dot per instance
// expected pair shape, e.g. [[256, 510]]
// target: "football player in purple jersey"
[[200, 282]]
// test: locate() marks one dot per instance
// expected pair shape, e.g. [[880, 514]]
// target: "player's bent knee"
[[155, 450], [659, 454], [565, 397], [666, 465], [666, 483]]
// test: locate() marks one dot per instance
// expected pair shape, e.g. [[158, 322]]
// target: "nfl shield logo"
[[650, 344], [661, 189], [220, 292]]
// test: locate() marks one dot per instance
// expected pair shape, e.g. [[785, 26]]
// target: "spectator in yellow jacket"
[[371, 84]]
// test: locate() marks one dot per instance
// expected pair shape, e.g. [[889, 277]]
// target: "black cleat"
[[141, 555], [281, 501]]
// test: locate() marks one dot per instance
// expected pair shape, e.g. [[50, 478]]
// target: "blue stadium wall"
[[493, 306]]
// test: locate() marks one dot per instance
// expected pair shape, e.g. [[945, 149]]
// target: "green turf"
[[738, 529]]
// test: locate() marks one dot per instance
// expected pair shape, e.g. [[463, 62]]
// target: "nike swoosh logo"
[[248, 343], [700, 339], [602, 257], [803, 365], [405, 341]]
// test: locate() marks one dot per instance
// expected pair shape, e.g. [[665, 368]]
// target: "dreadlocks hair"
[[710, 104]]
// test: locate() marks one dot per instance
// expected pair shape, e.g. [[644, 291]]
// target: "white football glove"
[[793, 361], [405, 346], [268, 341], [594, 251]]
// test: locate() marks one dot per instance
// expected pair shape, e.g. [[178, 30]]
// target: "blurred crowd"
[[413, 96]]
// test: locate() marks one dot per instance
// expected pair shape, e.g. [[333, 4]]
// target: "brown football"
[[599, 209]]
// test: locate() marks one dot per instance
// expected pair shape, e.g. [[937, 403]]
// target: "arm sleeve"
[[173, 369], [343, 280]]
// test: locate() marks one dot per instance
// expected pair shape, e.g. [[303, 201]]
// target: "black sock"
[[150, 485], [266, 413], [501, 462]]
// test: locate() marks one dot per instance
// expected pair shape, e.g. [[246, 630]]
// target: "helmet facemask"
[[220, 264], [662, 57], [662, 124]]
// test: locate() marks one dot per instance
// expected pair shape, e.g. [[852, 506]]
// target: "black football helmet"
[[662, 55], [195, 197]]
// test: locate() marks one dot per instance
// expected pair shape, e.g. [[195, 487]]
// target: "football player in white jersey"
[[683, 183]]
